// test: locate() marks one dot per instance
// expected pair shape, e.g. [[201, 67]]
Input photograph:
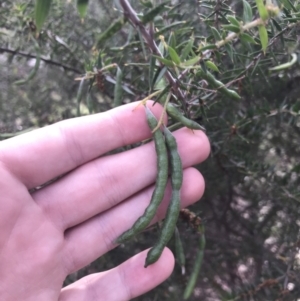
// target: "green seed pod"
[[161, 182], [286, 65], [174, 206], [175, 114], [167, 229], [35, 69], [218, 85], [187, 49]]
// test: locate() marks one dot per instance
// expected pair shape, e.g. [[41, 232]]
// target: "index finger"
[[44, 154]]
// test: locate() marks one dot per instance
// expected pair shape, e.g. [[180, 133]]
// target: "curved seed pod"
[[35, 68], [175, 114], [217, 84], [174, 206], [161, 182], [197, 266], [286, 65]]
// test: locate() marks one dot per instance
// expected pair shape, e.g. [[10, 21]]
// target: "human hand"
[[56, 230]]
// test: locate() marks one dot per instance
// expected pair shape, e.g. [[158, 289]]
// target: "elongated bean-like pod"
[[161, 182], [35, 69], [286, 65], [197, 266], [217, 84], [169, 223], [175, 114]]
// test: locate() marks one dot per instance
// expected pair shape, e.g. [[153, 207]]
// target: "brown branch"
[[50, 62], [131, 15]]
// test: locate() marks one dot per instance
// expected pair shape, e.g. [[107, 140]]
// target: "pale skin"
[[47, 234]]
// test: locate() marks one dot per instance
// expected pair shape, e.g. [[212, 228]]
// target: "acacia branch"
[[47, 61], [272, 41], [131, 15]]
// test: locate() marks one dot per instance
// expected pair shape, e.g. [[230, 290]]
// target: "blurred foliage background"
[[252, 201]]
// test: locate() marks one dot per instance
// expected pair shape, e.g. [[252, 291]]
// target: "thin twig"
[[31, 56]]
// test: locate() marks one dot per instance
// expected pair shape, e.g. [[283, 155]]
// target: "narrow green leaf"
[[170, 26], [190, 62], [147, 4], [232, 28], [142, 43], [118, 91], [151, 71], [110, 31], [277, 25], [42, 8], [161, 48], [229, 50], [233, 21], [174, 56], [79, 96], [215, 33], [82, 6], [207, 47], [172, 40], [279, 28], [247, 12], [263, 35], [247, 38], [159, 81], [263, 13], [212, 66], [99, 60], [288, 5], [148, 17], [166, 62], [187, 49], [179, 251], [90, 103]]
